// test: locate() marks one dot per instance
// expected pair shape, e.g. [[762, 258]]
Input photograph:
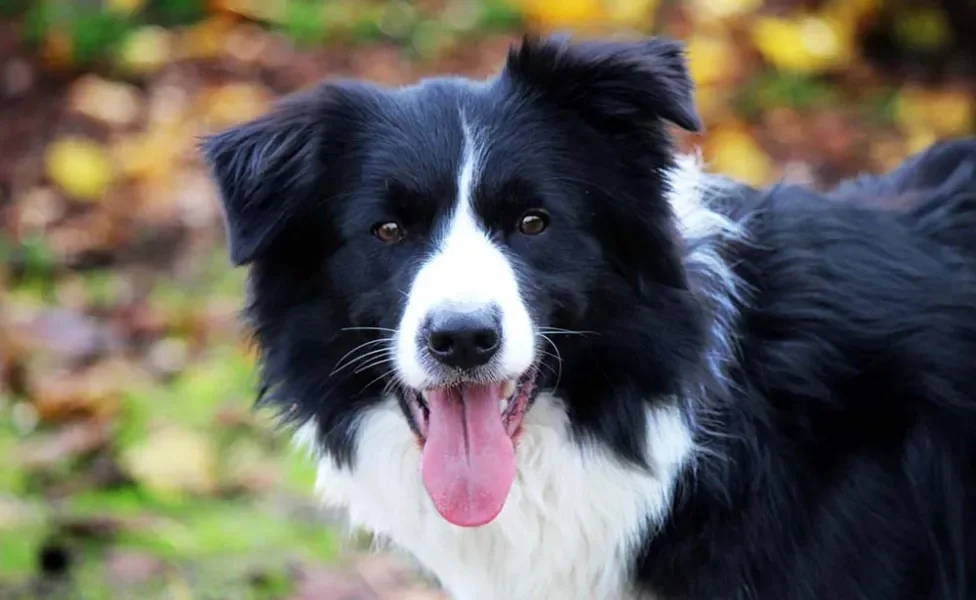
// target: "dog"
[[550, 358]]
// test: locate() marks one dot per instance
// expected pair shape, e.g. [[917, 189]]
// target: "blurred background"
[[133, 465]]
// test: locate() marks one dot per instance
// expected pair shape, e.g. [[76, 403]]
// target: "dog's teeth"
[[508, 389], [502, 405]]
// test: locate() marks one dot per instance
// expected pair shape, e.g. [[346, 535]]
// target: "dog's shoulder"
[[847, 294]]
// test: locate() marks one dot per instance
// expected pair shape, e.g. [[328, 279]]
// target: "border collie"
[[550, 358]]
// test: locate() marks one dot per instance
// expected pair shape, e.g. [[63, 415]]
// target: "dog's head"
[[461, 246]]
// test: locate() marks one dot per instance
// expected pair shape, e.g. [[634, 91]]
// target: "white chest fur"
[[568, 530]]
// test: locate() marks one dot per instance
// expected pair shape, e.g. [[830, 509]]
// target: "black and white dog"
[[552, 359]]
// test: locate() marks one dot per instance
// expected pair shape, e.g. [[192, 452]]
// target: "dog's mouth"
[[468, 433], [514, 398]]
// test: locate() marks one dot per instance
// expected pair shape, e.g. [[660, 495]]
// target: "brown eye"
[[389, 232], [533, 222]]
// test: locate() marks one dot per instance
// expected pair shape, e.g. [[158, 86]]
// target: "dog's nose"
[[463, 339]]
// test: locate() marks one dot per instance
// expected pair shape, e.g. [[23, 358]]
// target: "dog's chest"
[[568, 531]]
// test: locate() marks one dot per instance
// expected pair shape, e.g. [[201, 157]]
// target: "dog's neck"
[[703, 206]]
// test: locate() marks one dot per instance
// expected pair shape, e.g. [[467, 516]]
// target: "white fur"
[[466, 272], [712, 278], [569, 526], [575, 514]]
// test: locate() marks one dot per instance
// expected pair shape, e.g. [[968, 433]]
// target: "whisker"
[[358, 359], [558, 357], [386, 373], [374, 363], [387, 329], [339, 364], [558, 331]]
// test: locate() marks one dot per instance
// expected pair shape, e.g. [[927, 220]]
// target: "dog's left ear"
[[274, 171], [624, 81], [265, 170]]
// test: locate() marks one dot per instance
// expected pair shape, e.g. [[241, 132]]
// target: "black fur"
[[840, 453]]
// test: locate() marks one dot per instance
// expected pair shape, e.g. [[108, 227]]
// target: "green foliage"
[[782, 89], [304, 22], [175, 12], [96, 31]]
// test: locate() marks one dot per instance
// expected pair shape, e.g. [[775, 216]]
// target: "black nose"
[[463, 339]]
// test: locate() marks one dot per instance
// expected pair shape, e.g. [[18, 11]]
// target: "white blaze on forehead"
[[466, 271]]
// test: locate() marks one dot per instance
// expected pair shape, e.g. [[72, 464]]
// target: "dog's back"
[[936, 188]]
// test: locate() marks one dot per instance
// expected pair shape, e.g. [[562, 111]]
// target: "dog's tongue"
[[469, 459]]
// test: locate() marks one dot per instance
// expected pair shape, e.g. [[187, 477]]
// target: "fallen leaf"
[[205, 39], [723, 9], [383, 573], [733, 151], [130, 567], [636, 13], [711, 59], [91, 393], [234, 103], [945, 112], [565, 13], [152, 154], [57, 51], [807, 44], [69, 335], [39, 207], [330, 583], [919, 139], [173, 460], [80, 167], [67, 443], [17, 77], [145, 50]]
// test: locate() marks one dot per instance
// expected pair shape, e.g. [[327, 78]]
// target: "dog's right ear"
[[269, 171], [634, 82]]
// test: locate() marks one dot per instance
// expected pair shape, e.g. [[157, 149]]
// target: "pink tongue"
[[469, 460]]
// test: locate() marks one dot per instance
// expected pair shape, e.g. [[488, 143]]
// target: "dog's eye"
[[533, 222], [388, 232]]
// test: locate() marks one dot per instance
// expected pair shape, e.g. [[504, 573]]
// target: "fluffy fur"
[[749, 394]]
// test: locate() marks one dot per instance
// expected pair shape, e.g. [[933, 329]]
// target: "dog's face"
[[461, 246]]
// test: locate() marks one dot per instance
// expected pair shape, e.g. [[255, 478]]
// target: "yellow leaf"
[[711, 59], [80, 167], [732, 151], [564, 13], [173, 461], [919, 139], [723, 9], [234, 103], [145, 50], [110, 102], [152, 154], [589, 15], [206, 39], [714, 103], [953, 112], [636, 13], [945, 112], [808, 44]]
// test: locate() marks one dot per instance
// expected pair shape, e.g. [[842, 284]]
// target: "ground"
[[135, 464]]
